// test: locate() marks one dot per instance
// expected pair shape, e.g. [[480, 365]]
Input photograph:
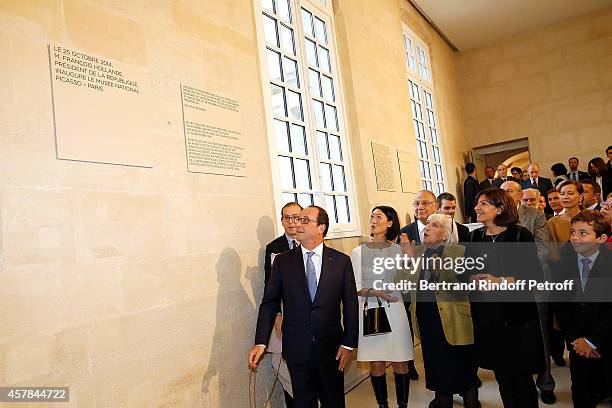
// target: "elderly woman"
[[507, 335], [396, 346], [444, 321]]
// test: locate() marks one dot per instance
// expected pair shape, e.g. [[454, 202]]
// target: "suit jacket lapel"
[[326, 269], [301, 272], [415, 232]]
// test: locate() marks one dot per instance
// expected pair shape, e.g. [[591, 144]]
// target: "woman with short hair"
[[571, 193], [395, 347], [444, 321]]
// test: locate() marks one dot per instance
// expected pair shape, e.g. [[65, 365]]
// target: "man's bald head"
[[514, 190]]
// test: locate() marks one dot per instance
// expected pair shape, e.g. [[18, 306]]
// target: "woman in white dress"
[[396, 346]]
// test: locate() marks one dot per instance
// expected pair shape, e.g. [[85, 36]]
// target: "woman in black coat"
[[507, 333]]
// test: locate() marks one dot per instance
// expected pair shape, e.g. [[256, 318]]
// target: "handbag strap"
[[365, 305]]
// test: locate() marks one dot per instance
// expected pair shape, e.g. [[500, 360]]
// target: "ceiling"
[[471, 23]]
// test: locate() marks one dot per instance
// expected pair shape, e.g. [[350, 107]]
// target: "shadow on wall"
[[226, 380]]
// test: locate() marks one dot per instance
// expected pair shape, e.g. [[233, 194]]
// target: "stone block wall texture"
[[552, 85], [139, 287]]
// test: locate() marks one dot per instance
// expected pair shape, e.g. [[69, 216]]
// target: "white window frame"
[[323, 10], [424, 111]]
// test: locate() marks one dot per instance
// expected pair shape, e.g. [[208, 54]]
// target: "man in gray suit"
[[535, 222]]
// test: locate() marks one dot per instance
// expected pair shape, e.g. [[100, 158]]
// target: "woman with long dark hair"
[[598, 170]]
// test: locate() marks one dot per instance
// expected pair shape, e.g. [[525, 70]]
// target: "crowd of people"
[[322, 303]]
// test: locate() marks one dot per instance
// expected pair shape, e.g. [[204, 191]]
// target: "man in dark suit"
[[592, 195], [470, 189], [609, 163], [574, 173], [542, 184], [535, 221], [490, 178], [585, 311], [447, 204], [316, 285], [425, 203], [289, 214], [502, 176]]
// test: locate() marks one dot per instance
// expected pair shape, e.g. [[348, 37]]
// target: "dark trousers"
[[517, 390], [545, 380], [587, 381], [318, 379], [288, 400], [555, 337]]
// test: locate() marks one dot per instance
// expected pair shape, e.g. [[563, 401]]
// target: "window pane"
[[432, 121], [320, 31], [290, 72], [422, 168], [287, 197], [326, 176], [434, 136], [318, 114], [268, 4], [425, 152], [286, 39], [302, 174], [335, 151], [330, 207], [311, 53], [327, 85], [324, 58], [278, 100], [283, 10], [305, 199], [314, 82], [421, 131], [307, 22], [343, 209], [411, 89], [286, 173], [274, 68], [339, 182], [322, 145], [298, 139], [332, 118], [418, 114], [270, 30], [282, 139], [416, 128], [294, 104]]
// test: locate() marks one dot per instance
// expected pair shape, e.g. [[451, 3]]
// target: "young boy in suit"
[[585, 311]]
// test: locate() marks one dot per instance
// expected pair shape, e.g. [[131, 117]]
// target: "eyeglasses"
[[293, 218], [606, 204], [304, 220], [424, 203]]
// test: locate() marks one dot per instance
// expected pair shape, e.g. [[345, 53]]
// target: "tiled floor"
[[363, 396]]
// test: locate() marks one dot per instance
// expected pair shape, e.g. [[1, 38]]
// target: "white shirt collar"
[[290, 240], [317, 250], [420, 225], [592, 207]]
